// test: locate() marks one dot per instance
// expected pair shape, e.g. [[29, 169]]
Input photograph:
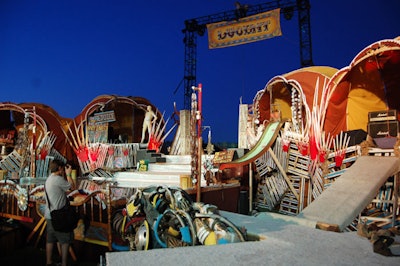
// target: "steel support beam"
[[198, 26]]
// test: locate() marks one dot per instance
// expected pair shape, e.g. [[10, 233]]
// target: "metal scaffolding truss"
[[198, 26]]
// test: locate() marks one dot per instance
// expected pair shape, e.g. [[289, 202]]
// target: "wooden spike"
[[169, 131], [77, 134], [159, 125], [73, 137], [158, 137]]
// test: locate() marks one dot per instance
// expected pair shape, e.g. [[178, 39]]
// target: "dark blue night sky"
[[65, 53]]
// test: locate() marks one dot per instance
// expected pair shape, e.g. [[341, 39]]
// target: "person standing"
[[56, 186]]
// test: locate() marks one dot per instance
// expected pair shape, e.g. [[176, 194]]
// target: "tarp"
[[276, 93], [371, 82]]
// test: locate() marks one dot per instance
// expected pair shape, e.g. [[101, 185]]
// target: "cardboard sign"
[[224, 156], [103, 117]]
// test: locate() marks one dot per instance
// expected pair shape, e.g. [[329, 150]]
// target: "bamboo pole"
[[38, 225]]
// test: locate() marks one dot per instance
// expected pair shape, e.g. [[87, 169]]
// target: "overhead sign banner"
[[249, 29]]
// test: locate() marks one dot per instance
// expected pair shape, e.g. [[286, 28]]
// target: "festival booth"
[[286, 97], [107, 133], [105, 137], [284, 105], [103, 143], [32, 135], [324, 108], [363, 97]]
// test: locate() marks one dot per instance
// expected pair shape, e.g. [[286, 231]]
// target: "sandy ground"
[[286, 241]]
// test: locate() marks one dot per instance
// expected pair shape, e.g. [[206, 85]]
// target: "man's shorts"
[[54, 236]]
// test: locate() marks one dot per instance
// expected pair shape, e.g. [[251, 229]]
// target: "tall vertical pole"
[[199, 139], [194, 139], [33, 152], [395, 198], [199, 107], [190, 41], [250, 188], [304, 7]]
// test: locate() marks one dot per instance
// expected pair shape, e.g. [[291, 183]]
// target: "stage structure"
[[198, 26]]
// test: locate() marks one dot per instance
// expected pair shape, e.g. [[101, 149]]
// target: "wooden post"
[[199, 158], [395, 197], [109, 215], [185, 132], [242, 130], [278, 164], [250, 188]]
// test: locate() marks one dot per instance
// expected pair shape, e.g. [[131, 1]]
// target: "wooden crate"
[[289, 204], [297, 164]]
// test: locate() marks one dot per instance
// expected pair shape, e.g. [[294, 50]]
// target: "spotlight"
[[201, 30], [241, 10], [288, 13]]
